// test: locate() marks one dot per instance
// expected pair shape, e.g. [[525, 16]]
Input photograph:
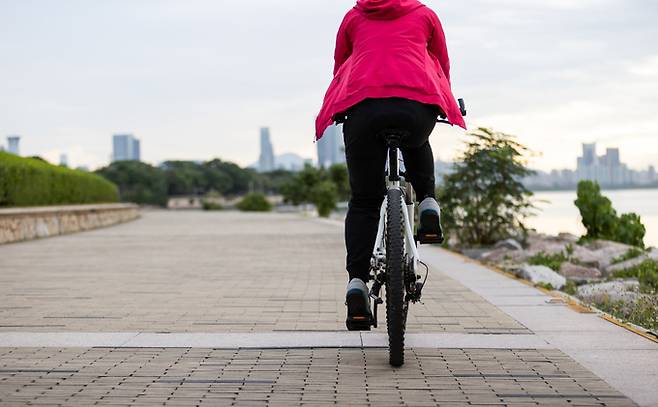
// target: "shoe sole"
[[430, 223], [358, 314]]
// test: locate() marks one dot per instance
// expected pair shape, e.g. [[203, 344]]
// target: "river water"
[[560, 214]]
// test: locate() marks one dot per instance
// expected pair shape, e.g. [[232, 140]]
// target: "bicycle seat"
[[393, 137]]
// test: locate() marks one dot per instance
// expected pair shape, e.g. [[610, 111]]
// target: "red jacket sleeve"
[[437, 46], [343, 45]]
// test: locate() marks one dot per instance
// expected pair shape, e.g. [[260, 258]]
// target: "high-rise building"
[[13, 144], [64, 160], [589, 154], [331, 147], [125, 147], [266, 159], [607, 170]]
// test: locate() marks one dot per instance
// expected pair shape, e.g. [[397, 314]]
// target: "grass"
[[643, 312], [552, 261], [570, 287], [630, 254], [646, 273], [545, 286]]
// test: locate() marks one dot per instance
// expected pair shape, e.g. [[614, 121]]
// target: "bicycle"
[[395, 257]]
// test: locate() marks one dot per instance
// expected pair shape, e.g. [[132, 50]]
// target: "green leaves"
[[254, 202], [318, 186], [601, 220], [484, 200]]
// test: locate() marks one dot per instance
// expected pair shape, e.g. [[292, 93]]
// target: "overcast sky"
[[195, 79]]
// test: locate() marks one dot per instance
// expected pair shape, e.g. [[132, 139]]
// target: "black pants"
[[366, 162]]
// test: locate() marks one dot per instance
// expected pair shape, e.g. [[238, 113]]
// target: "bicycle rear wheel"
[[396, 310]]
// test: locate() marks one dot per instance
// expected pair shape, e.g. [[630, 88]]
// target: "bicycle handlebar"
[[462, 109]]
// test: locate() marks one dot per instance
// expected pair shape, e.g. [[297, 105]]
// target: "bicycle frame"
[[394, 181], [378, 261]]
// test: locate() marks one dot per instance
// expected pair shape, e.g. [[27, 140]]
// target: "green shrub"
[[211, 206], [552, 261], [33, 182], [601, 220], [254, 202], [630, 230]]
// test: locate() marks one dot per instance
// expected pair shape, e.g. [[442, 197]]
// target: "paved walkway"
[[189, 308]]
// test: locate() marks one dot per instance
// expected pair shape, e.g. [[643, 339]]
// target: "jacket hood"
[[386, 9]]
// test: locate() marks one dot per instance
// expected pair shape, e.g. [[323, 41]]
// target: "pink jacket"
[[389, 48]]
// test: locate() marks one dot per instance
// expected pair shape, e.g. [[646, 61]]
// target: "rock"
[[587, 257], [546, 245], [610, 246], [475, 254], [568, 237], [509, 244], [580, 273], [618, 290], [503, 254], [542, 275], [625, 265]]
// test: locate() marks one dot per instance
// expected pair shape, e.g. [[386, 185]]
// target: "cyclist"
[[391, 72]]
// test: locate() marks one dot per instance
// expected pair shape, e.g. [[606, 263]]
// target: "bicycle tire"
[[395, 292]]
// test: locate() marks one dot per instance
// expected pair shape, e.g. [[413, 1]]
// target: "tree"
[[601, 220], [184, 178], [317, 186], [484, 199], [324, 197], [596, 211], [138, 182], [340, 177]]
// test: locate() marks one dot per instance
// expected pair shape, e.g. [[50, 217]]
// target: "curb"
[[571, 301]]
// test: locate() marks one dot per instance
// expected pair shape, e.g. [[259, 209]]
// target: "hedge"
[[34, 182]]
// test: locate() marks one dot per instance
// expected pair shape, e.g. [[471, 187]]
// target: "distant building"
[[63, 160], [125, 147], [266, 158], [13, 144], [608, 170], [331, 147]]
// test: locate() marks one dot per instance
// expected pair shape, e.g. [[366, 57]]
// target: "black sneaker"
[[429, 230], [359, 317]]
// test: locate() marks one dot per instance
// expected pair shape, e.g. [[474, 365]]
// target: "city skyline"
[[65, 90]]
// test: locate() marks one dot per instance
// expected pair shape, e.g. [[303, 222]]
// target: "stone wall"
[[19, 224]]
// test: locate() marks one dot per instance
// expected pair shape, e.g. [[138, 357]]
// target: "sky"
[[196, 79]]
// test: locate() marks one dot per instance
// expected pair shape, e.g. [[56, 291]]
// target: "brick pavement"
[[284, 377], [228, 272], [207, 272]]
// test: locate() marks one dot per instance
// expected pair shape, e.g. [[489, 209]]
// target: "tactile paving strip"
[[289, 377]]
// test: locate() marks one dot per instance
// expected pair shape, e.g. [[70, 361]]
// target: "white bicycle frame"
[[379, 251]]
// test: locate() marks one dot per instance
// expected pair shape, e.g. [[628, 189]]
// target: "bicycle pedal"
[[358, 323], [429, 238]]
